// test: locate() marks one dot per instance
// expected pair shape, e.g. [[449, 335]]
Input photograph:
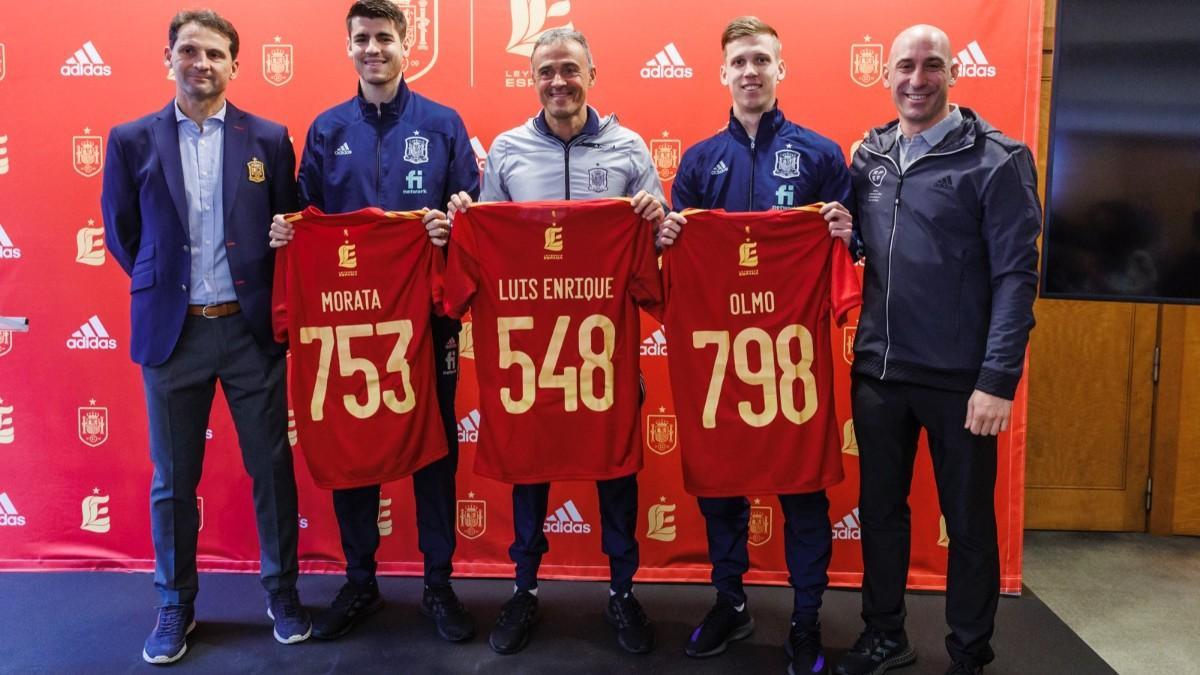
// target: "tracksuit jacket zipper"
[[887, 302]]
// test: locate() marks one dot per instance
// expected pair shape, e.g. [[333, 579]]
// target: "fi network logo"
[[8, 513], [667, 64], [8, 250], [972, 62], [91, 335], [86, 62], [566, 519]]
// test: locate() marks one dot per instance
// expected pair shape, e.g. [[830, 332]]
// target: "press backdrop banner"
[[74, 467]]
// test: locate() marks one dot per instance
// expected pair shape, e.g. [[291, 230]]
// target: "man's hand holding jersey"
[[841, 223]]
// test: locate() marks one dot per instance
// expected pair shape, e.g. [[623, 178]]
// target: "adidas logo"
[[566, 520], [7, 249], [8, 513], [343, 150], [667, 64], [848, 528], [468, 428], [944, 183], [972, 63], [719, 169], [85, 63], [91, 335], [656, 344]]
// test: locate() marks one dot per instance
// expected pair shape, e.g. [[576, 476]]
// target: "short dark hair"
[[378, 9], [207, 19]]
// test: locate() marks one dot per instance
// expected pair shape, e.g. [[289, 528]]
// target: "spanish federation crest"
[[87, 154], [666, 153], [93, 424], [420, 37], [277, 63], [598, 180], [6, 341], [661, 433], [866, 63], [787, 163], [472, 517], [848, 335], [256, 171], [416, 149], [761, 522]]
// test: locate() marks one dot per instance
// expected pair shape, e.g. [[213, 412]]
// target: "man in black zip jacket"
[[947, 216]]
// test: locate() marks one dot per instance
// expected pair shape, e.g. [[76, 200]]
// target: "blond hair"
[[746, 26]]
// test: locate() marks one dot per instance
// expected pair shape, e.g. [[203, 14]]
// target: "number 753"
[[348, 365]]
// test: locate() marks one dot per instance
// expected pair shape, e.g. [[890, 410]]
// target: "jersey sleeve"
[[461, 279], [844, 287], [646, 284]]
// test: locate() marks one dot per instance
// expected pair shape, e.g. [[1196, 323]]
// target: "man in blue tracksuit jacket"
[[392, 148], [761, 162]]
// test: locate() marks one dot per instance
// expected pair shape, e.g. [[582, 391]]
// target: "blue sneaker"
[[292, 623], [168, 642]]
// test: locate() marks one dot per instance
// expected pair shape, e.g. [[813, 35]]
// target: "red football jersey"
[[749, 302], [353, 294], [553, 289]]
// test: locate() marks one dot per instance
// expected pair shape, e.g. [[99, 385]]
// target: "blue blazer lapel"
[[166, 143], [234, 164]]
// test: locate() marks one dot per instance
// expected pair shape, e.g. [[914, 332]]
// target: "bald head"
[[920, 72], [932, 37]]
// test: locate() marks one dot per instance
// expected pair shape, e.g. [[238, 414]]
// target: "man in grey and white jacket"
[[568, 151]]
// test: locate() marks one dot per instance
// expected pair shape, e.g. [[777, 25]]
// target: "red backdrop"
[[74, 472]]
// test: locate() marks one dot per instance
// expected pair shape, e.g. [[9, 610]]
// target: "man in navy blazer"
[[188, 194]]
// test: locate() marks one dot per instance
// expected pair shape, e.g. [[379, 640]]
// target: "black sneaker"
[[804, 649], [352, 604], [517, 616], [635, 633], [963, 668], [875, 653], [454, 622], [723, 624], [292, 622]]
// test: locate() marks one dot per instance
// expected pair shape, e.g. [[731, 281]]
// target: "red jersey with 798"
[[750, 297]]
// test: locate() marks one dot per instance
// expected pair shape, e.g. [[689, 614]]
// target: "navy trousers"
[[807, 541], [618, 530], [179, 396], [357, 509], [888, 418]]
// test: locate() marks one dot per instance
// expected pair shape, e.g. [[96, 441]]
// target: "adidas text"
[[566, 527], [85, 70]]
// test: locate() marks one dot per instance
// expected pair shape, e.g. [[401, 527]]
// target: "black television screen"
[[1123, 171]]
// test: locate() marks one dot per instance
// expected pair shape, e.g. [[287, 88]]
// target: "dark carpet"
[[96, 622]]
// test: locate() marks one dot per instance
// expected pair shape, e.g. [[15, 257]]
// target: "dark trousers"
[[179, 396], [618, 530], [357, 509], [888, 418], [807, 540]]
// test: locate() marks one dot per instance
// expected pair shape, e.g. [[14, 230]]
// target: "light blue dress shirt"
[[201, 152], [923, 142]]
